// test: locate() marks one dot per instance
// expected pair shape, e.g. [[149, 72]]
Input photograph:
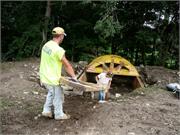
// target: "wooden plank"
[[137, 83], [83, 77], [140, 82], [112, 65], [83, 86]]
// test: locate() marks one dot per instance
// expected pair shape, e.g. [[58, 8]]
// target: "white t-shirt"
[[103, 79]]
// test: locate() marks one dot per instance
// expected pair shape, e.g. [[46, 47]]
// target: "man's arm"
[[107, 90], [97, 79], [68, 67], [108, 86]]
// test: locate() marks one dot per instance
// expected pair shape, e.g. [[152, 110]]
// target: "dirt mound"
[[148, 111], [158, 76]]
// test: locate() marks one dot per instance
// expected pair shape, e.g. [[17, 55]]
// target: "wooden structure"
[[117, 65], [81, 85]]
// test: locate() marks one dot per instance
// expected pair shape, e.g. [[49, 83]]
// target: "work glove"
[[74, 79]]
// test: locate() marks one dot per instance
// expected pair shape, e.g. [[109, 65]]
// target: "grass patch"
[[5, 103], [33, 107]]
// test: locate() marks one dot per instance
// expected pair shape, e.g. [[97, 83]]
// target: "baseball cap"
[[58, 31]]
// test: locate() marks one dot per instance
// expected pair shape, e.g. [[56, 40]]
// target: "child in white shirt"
[[104, 81]]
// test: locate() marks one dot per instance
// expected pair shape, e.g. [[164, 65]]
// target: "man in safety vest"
[[52, 58]]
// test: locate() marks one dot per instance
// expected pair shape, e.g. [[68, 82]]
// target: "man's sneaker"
[[49, 115], [64, 117], [102, 101]]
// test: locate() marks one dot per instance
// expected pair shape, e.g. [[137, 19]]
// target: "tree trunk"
[[47, 18], [97, 51], [46, 22], [136, 56], [143, 55], [163, 53], [132, 54], [72, 55], [153, 59]]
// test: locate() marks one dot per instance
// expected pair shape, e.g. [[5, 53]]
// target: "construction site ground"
[[147, 111]]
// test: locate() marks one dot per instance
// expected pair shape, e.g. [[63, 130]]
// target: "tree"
[[140, 31], [45, 25]]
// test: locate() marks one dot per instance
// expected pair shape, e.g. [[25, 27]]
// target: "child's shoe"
[[102, 101]]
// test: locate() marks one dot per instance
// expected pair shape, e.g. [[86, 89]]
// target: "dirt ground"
[[147, 111]]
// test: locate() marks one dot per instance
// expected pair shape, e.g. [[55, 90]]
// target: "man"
[[52, 58], [104, 81]]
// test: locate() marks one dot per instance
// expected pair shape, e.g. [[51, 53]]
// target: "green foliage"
[[26, 45], [107, 27], [95, 28]]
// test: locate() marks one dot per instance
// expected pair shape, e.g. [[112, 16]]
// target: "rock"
[[83, 63], [35, 92], [117, 95], [66, 88], [77, 92], [141, 66], [131, 133], [66, 92], [178, 73], [112, 96], [55, 129], [36, 117], [19, 102], [151, 80], [21, 76], [159, 81], [25, 92]]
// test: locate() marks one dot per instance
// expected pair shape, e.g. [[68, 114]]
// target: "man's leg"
[[58, 104], [49, 101]]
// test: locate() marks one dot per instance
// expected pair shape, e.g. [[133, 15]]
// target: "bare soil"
[[147, 111]]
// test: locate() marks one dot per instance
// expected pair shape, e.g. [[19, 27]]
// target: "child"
[[104, 80]]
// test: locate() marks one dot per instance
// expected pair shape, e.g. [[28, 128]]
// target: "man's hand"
[[107, 89], [74, 79]]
